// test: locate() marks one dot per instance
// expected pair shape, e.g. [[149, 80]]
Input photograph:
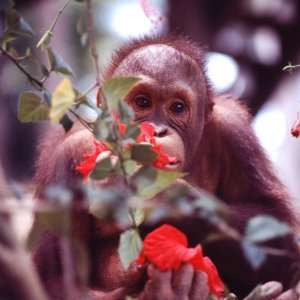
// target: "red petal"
[[166, 248], [88, 163], [295, 130], [147, 133], [215, 283], [162, 160], [122, 128]]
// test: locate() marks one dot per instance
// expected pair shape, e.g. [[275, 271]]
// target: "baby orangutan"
[[214, 144]]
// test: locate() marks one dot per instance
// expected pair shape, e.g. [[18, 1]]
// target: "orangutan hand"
[[272, 290], [182, 284]]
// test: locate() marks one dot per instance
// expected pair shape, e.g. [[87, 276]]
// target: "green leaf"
[[32, 108], [103, 169], [138, 215], [47, 97], [116, 89], [126, 113], [62, 99], [254, 254], [17, 24], [143, 153], [45, 40], [132, 132], [208, 202], [264, 228], [103, 202], [150, 181], [8, 37], [57, 63], [130, 246], [130, 166], [102, 130]]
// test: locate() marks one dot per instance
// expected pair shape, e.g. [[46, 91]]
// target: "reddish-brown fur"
[[228, 162]]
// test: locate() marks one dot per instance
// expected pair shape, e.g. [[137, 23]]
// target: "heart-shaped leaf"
[[32, 108]]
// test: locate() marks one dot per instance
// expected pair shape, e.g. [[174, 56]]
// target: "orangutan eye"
[[178, 107], [142, 102]]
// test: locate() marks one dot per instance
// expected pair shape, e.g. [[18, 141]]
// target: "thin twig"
[[81, 120], [92, 40], [58, 15], [82, 95], [32, 80]]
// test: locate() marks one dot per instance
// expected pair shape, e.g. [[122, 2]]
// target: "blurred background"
[[248, 43]]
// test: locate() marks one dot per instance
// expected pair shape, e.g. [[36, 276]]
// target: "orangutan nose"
[[160, 131]]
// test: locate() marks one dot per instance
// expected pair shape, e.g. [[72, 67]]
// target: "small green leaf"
[[116, 89], [32, 108], [138, 215], [130, 166], [45, 40], [150, 181], [103, 169], [132, 132], [263, 228], [126, 113], [47, 97], [102, 130], [254, 255], [143, 153], [8, 37], [62, 99], [17, 24], [57, 63], [130, 246], [104, 203]]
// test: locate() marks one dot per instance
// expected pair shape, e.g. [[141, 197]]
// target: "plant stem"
[[81, 120], [92, 40], [34, 81], [82, 95], [58, 15]]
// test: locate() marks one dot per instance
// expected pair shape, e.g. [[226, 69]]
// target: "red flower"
[[147, 135], [166, 248], [122, 128], [295, 131], [88, 162]]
